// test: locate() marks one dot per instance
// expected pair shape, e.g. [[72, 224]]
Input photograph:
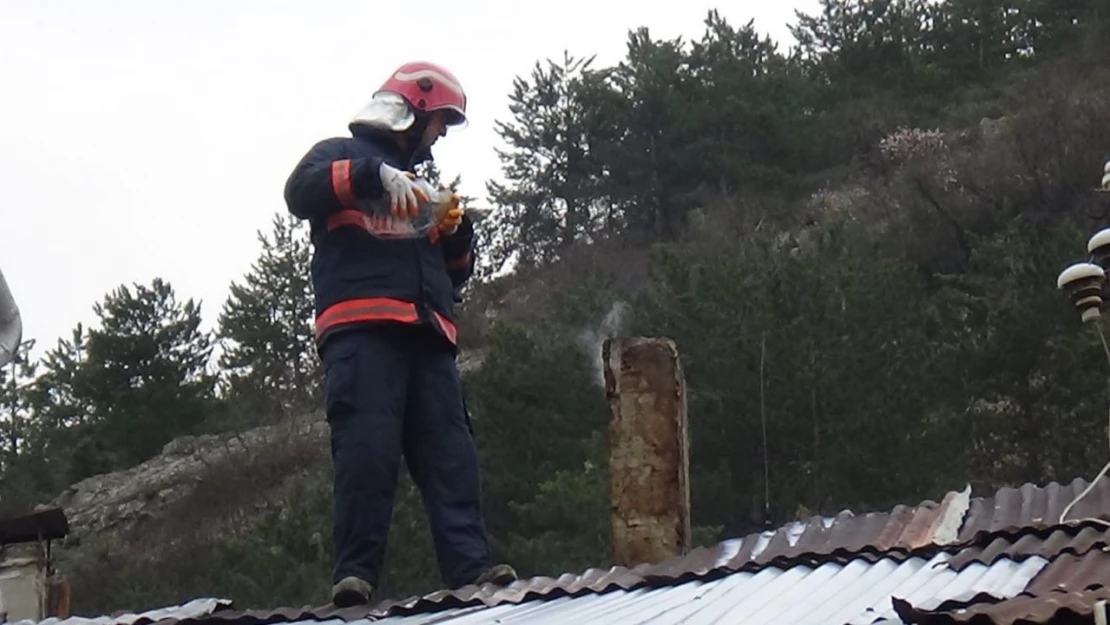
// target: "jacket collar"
[[385, 142]]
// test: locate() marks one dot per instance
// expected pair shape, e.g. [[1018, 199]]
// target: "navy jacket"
[[357, 277]]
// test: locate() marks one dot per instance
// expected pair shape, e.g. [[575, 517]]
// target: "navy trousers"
[[394, 390]]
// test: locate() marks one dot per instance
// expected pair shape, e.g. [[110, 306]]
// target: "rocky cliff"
[[179, 477], [228, 476]]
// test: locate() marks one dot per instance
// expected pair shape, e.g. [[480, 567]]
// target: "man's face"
[[437, 127]]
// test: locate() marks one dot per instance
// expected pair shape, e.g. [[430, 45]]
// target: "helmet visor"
[[455, 117]]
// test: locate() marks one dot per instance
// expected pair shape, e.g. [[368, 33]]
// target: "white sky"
[[145, 139]]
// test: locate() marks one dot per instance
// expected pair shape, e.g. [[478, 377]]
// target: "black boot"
[[351, 591], [499, 575]]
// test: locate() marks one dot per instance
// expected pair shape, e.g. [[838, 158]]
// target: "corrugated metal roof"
[[196, 608], [1076, 540], [1073, 573], [844, 537], [857, 593], [1067, 587], [1055, 608], [1031, 506], [997, 559]]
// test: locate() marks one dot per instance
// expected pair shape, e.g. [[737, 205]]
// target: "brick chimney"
[[29, 586], [649, 472]]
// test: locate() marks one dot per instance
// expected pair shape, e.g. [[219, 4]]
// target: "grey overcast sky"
[[145, 139]]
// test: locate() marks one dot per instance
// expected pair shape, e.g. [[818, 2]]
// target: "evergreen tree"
[[15, 406], [268, 358], [548, 202], [61, 400], [27, 473], [114, 396]]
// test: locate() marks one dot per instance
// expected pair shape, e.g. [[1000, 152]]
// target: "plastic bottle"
[[385, 225]]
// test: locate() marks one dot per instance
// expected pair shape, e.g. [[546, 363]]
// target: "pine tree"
[[15, 409], [54, 442], [114, 398], [269, 360], [547, 203]]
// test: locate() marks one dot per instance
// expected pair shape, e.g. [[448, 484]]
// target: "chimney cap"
[[42, 524]]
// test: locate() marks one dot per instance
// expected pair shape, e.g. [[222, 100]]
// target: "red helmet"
[[429, 87]]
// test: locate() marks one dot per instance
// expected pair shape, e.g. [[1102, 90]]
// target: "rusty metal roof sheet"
[[844, 537], [1073, 573], [1013, 528], [1044, 609], [592, 582], [1030, 506], [957, 522], [1049, 543], [1056, 607]]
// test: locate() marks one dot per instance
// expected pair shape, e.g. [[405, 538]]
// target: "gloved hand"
[[450, 221], [404, 195]]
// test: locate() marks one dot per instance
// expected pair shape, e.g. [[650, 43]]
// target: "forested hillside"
[[855, 245]]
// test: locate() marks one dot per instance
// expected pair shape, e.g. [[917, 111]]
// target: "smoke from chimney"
[[592, 339]]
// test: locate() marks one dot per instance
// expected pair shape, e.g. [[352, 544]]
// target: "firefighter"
[[386, 335]]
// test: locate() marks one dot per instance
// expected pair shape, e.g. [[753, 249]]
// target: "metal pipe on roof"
[[11, 324]]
